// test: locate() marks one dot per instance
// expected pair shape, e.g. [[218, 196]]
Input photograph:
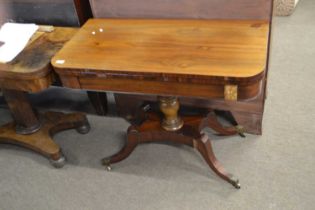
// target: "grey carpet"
[[276, 170]]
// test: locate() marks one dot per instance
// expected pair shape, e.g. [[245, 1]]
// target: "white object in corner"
[[15, 37]]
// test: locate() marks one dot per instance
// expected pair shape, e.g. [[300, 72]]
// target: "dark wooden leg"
[[132, 142], [205, 148], [39, 140], [99, 102], [21, 111], [131, 111], [252, 122], [212, 121], [184, 131]]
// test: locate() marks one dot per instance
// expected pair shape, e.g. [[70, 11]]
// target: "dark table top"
[[32, 68]]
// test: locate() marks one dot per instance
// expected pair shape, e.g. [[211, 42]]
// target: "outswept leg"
[[132, 142], [205, 148], [212, 122], [189, 134]]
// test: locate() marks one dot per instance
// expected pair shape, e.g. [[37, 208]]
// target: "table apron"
[[28, 85], [156, 87]]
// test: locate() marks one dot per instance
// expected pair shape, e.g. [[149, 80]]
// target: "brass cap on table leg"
[[169, 106], [173, 125]]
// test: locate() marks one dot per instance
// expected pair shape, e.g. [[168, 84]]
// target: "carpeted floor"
[[276, 170]]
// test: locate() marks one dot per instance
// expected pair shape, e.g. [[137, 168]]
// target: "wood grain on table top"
[[224, 48], [34, 61]]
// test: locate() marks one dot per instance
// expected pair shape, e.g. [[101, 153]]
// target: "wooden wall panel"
[[197, 9]]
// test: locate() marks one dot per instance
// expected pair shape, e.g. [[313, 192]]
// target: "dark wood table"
[[31, 72], [170, 58]]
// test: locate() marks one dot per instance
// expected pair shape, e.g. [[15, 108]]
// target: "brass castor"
[[240, 130], [84, 129], [237, 185], [106, 163], [59, 163], [235, 182]]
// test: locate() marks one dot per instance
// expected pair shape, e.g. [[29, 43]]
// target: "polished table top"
[[190, 47], [193, 58]]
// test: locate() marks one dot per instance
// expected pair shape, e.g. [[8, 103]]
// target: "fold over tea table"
[[169, 58], [31, 72]]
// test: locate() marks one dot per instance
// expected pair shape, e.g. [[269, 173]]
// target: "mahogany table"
[[169, 58], [31, 71]]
